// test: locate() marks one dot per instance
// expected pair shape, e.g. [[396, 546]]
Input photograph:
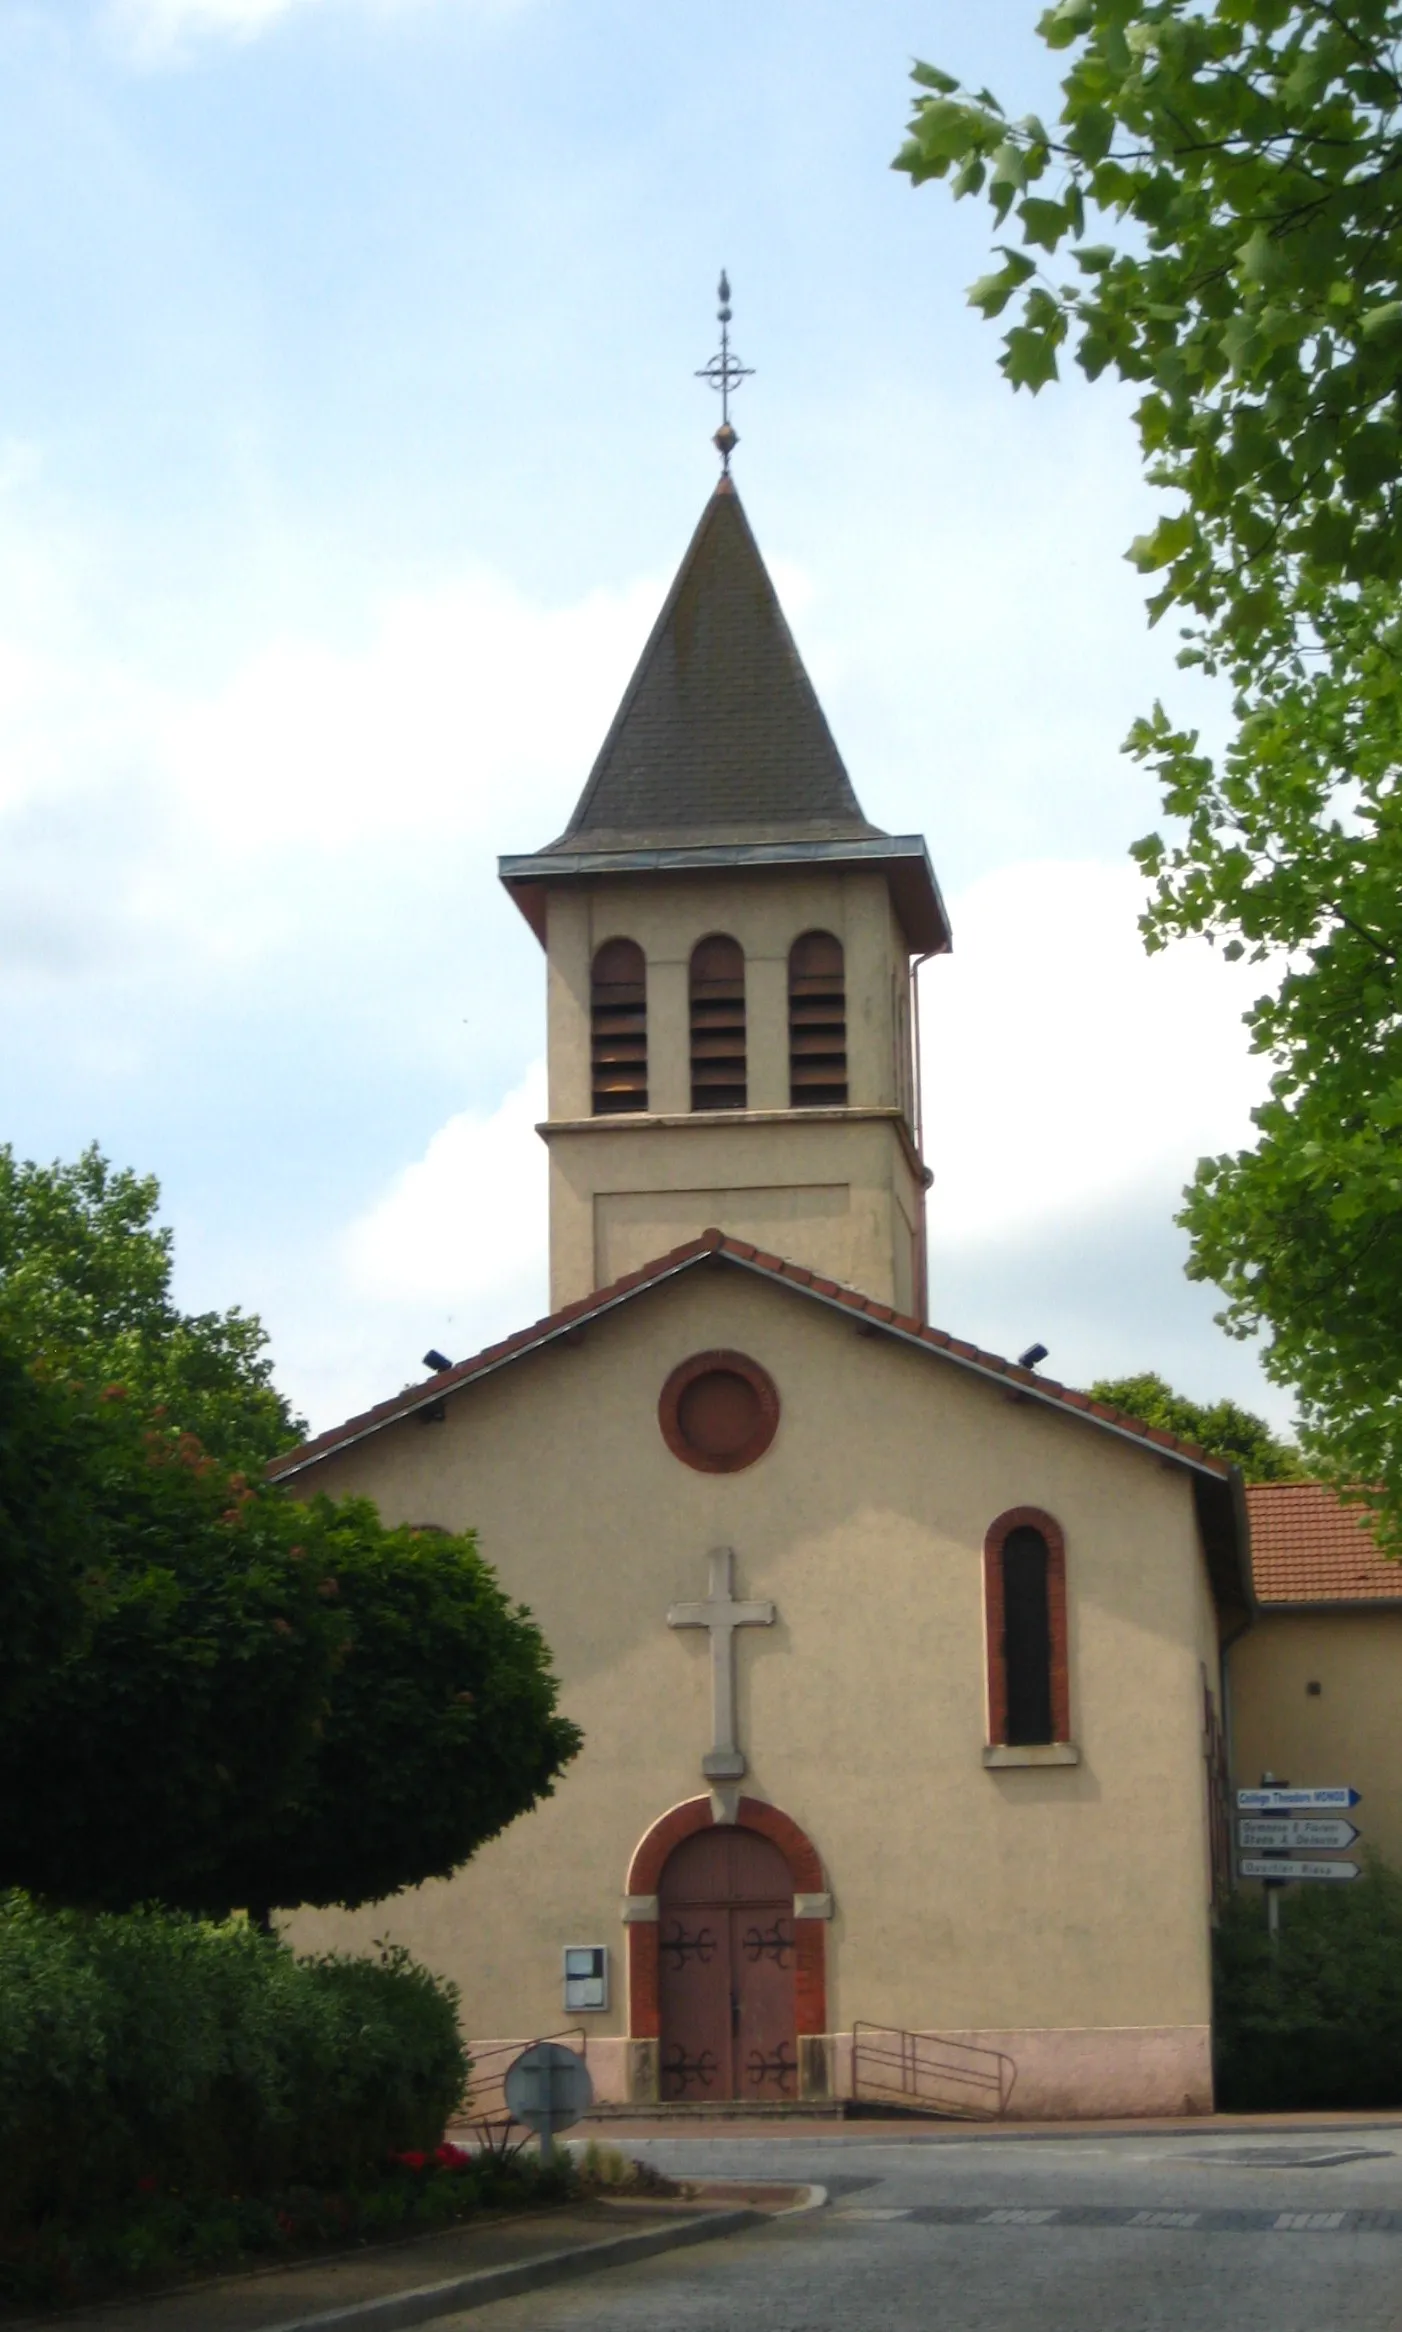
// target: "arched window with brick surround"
[[817, 1022], [718, 1074], [1024, 1578], [618, 1028]]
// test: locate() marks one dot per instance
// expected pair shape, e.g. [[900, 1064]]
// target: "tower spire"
[[725, 373]]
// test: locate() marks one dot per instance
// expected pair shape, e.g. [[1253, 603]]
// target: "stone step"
[[727, 2109]]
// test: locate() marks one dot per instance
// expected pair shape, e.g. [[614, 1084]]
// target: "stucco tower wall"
[[841, 1190]]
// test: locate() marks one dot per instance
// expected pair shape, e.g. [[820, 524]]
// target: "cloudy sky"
[[348, 440]]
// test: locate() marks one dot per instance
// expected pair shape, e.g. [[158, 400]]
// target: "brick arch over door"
[[645, 1877]]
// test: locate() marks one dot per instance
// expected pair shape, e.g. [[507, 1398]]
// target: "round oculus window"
[[719, 1412]]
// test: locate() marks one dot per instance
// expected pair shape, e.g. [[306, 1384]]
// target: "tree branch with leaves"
[[1215, 216]]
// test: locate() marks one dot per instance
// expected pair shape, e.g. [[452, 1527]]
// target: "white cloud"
[[159, 30], [463, 701], [462, 1229], [1064, 1067]]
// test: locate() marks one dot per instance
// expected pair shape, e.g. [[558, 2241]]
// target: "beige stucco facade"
[[1346, 1732], [1059, 1911], [841, 1190]]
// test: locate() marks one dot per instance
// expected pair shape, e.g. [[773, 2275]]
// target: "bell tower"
[[731, 948]]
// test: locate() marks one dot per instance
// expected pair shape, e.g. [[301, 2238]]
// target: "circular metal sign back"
[[548, 2088]]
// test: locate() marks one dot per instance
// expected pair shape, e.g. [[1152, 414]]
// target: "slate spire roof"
[[719, 756], [720, 735]]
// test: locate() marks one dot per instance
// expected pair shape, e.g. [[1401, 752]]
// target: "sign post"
[[1281, 1824], [548, 2089]]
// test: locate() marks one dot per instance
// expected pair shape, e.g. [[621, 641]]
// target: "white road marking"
[[1310, 2222], [1164, 2219], [1015, 2218], [858, 2213]]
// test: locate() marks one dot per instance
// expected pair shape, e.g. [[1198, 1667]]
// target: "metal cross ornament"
[[725, 372]]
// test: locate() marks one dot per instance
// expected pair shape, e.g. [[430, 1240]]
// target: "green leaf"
[[1009, 167], [992, 293], [1043, 222], [930, 77], [1094, 258], [1062, 25], [1029, 358], [1170, 538]]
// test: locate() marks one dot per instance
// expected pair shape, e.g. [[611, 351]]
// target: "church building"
[[898, 1665]]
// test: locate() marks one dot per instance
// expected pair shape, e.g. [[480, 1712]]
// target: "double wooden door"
[[727, 1957]]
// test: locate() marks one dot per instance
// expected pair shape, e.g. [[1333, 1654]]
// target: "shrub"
[[1316, 2019], [151, 2050]]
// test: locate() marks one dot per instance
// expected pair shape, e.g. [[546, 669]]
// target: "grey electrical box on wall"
[[586, 1975]]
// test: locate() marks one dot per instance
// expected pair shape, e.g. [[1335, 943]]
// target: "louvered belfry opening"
[[618, 1028], [718, 1079], [817, 1022]]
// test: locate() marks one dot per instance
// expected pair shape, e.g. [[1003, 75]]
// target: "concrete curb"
[[395, 2309]]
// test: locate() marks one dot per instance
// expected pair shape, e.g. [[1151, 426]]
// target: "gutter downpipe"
[[923, 1242]]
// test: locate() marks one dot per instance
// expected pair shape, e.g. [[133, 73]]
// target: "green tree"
[[85, 1283], [44, 1560], [264, 1703], [1222, 186], [158, 1740], [441, 1726], [1219, 1427]]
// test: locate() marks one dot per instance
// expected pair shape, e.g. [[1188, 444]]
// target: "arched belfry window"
[[618, 1028], [718, 1025], [1025, 1598], [817, 1022]]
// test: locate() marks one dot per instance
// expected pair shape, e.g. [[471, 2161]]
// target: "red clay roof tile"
[[1308, 1547]]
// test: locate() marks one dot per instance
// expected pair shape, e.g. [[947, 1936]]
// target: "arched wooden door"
[[726, 1968]]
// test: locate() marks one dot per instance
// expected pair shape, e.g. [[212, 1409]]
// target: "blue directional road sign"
[[1275, 1830], [1296, 1801], [1257, 1867]]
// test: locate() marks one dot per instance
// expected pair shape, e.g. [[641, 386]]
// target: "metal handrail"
[[925, 2072]]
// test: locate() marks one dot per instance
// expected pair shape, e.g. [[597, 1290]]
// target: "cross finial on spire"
[[725, 372]]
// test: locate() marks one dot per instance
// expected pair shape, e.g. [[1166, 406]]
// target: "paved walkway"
[[270, 2298]]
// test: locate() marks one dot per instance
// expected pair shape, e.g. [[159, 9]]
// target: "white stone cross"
[[724, 1760]]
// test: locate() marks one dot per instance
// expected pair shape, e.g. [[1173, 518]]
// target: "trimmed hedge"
[[149, 2050], [1316, 2020]]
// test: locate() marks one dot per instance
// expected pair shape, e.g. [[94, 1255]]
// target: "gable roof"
[[1308, 1547], [1217, 1485], [720, 755]]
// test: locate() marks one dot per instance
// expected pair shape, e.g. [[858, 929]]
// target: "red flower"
[[146, 2186], [450, 2157], [411, 2161]]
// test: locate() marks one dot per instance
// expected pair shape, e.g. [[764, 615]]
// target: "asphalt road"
[[1159, 2233]]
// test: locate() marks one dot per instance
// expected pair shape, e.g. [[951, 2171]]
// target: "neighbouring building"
[[1315, 1682]]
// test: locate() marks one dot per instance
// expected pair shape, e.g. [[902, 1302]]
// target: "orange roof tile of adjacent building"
[[1308, 1547], [716, 1245]]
